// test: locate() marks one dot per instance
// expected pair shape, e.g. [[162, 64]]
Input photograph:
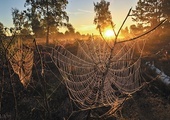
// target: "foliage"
[[20, 22], [137, 29], [5, 41], [103, 18], [70, 28], [166, 12], [48, 14], [2, 30], [151, 12]]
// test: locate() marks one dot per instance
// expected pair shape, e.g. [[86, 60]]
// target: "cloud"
[[85, 11], [74, 13], [79, 12]]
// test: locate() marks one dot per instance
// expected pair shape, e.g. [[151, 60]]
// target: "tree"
[[103, 18], [1, 29], [165, 9], [35, 21], [50, 12], [70, 28], [137, 29], [20, 22], [151, 12], [1, 38], [125, 32]]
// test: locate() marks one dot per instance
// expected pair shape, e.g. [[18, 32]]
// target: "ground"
[[152, 102]]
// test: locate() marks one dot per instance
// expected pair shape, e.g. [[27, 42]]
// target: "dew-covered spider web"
[[21, 60], [102, 73]]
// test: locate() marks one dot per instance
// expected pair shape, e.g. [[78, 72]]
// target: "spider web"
[[101, 75], [22, 63]]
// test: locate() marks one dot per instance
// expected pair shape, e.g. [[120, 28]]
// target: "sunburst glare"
[[109, 33]]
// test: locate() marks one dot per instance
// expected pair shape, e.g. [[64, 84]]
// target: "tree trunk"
[[48, 28]]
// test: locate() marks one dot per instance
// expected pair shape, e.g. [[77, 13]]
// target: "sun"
[[109, 33]]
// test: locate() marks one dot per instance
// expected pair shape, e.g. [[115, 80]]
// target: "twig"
[[113, 28], [104, 38], [10, 74], [11, 40], [122, 25], [43, 82], [42, 66], [14, 94], [144, 33]]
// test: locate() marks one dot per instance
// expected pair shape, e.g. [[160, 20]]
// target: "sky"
[[81, 13]]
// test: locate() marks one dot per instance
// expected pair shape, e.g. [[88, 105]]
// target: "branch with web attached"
[[131, 39]]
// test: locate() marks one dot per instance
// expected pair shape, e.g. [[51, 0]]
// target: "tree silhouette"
[[1, 29], [103, 18], [165, 8], [49, 12], [20, 22], [151, 12], [70, 28]]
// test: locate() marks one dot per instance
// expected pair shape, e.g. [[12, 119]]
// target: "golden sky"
[[80, 12]]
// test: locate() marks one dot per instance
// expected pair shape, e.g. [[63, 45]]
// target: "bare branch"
[[113, 28], [122, 24], [103, 38], [144, 33]]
